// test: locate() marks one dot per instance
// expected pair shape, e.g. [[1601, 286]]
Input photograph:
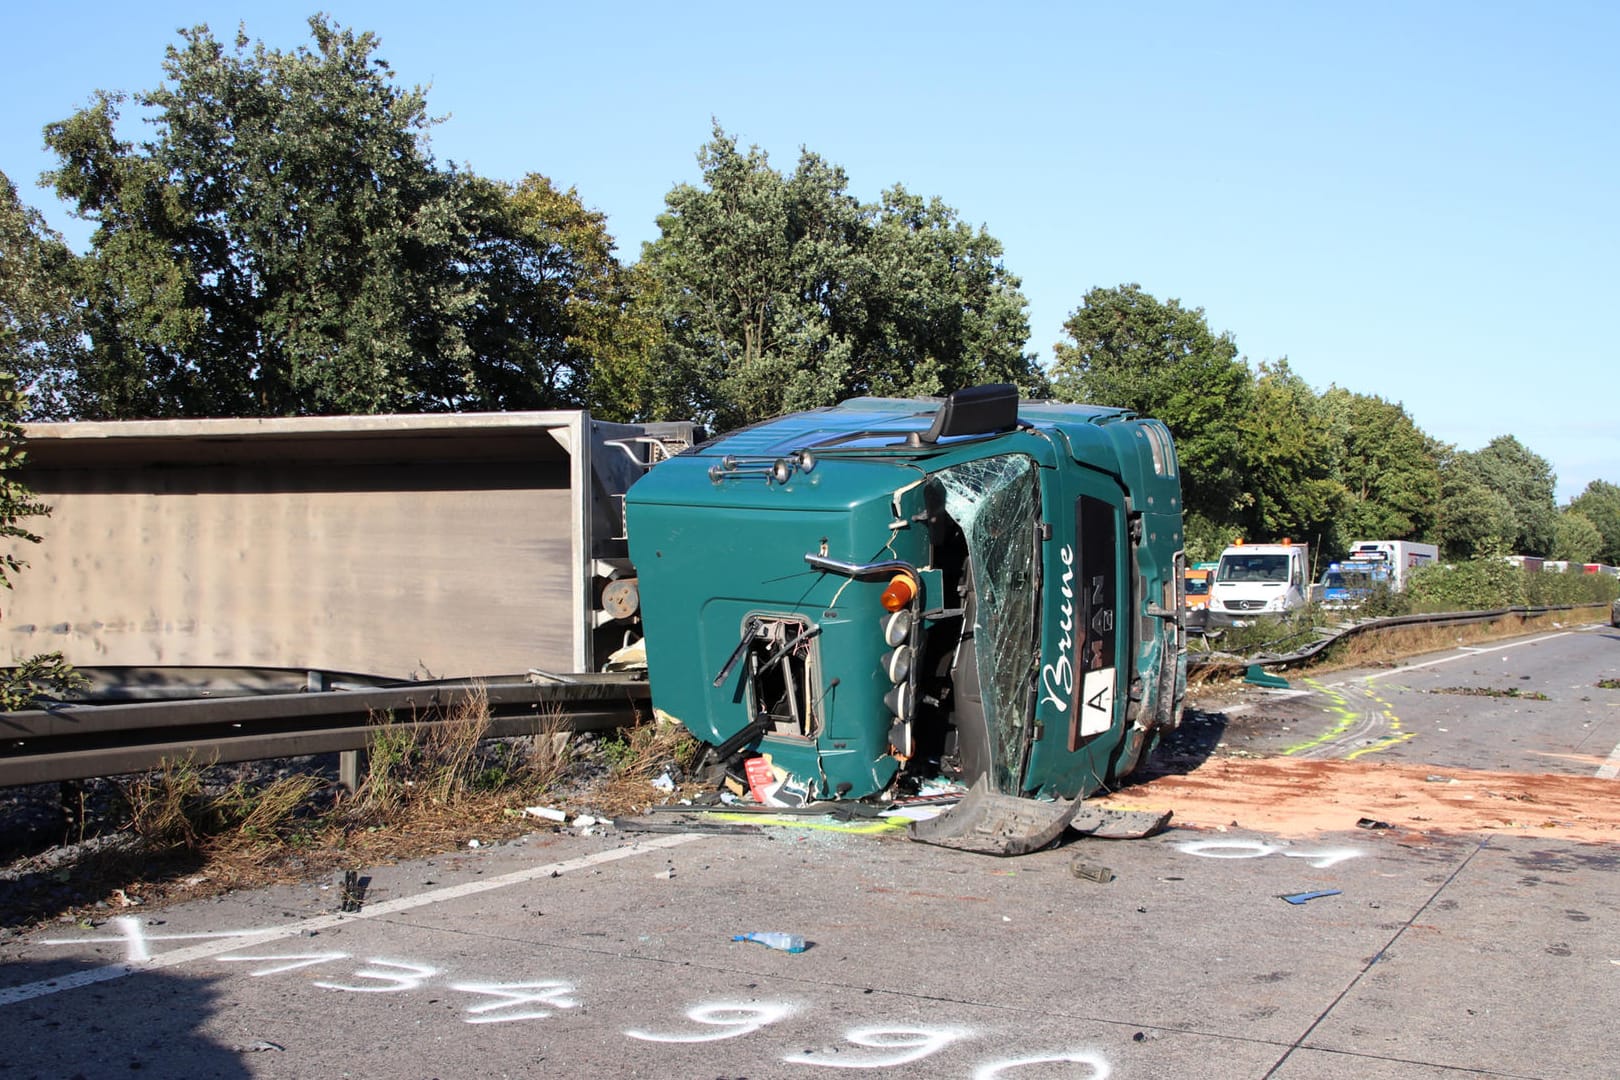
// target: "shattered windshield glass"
[[995, 502]]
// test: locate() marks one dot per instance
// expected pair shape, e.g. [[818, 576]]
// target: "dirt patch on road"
[[1298, 798]]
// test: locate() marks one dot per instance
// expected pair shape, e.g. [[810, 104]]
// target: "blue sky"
[[1414, 200]]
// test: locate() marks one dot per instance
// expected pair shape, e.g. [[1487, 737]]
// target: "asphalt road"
[[611, 955]]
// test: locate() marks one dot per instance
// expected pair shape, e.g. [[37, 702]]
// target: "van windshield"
[[1261, 568]]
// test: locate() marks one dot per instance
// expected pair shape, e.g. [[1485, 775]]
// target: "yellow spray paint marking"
[[1382, 744], [1346, 717], [1339, 708], [869, 827]]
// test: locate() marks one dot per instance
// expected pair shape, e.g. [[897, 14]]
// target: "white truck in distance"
[[1373, 564], [1400, 557], [1255, 580]]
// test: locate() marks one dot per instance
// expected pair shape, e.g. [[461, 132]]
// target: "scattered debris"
[[354, 891], [262, 1044], [1106, 823], [774, 939], [1091, 872], [1257, 676], [1373, 823], [1300, 898], [993, 824], [545, 813], [1486, 691]]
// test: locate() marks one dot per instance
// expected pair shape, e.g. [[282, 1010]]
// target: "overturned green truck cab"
[[974, 587]]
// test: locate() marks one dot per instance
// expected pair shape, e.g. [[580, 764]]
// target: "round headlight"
[[897, 630], [899, 664]]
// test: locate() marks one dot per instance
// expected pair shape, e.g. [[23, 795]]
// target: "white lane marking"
[[1611, 768], [1461, 655], [13, 995]]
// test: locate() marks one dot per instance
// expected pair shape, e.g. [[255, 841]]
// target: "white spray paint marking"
[[744, 1019], [284, 963], [1096, 1063], [558, 995], [136, 939], [914, 1044], [1320, 858], [407, 977], [140, 961]]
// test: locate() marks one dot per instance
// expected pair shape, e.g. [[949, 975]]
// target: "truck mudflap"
[[1004, 825]]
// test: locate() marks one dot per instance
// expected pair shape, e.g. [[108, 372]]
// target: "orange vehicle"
[[1197, 579]]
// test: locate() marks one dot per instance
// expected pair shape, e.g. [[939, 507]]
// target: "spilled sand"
[[1297, 798]]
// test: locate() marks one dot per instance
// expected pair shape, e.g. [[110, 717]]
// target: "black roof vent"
[[975, 410]]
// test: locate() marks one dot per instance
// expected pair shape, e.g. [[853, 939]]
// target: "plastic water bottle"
[[773, 939]]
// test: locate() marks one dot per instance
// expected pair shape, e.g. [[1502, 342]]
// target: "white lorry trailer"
[[1373, 564]]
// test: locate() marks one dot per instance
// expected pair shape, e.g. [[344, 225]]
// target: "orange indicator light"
[[899, 592]]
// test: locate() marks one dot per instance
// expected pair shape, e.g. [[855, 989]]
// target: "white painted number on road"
[[516, 996], [406, 977], [1096, 1065], [913, 1044], [735, 1020]]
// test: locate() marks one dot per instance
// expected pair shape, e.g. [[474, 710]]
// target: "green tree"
[[284, 243], [1526, 481], [780, 292], [40, 330], [1599, 503], [1130, 350], [1389, 467], [1475, 518], [1292, 457], [1575, 538], [551, 297], [49, 672]]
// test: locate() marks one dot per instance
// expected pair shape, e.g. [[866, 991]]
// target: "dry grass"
[[427, 789], [636, 757], [173, 806], [1377, 647]]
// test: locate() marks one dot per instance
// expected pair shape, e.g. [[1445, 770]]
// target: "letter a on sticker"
[[1098, 714]]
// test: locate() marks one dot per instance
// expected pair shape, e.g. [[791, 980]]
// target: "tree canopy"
[[284, 243], [39, 324], [1129, 350], [1525, 479], [1599, 504], [1292, 460], [780, 292], [1389, 469]]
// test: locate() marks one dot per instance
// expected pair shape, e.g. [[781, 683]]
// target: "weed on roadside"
[[194, 828]]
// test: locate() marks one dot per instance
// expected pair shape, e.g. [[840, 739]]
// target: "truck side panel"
[[384, 546]]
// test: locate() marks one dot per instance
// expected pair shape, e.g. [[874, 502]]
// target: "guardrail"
[[1328, 636], [75, 742]]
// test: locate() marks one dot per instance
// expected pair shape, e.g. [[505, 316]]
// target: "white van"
[[1258, 580]]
